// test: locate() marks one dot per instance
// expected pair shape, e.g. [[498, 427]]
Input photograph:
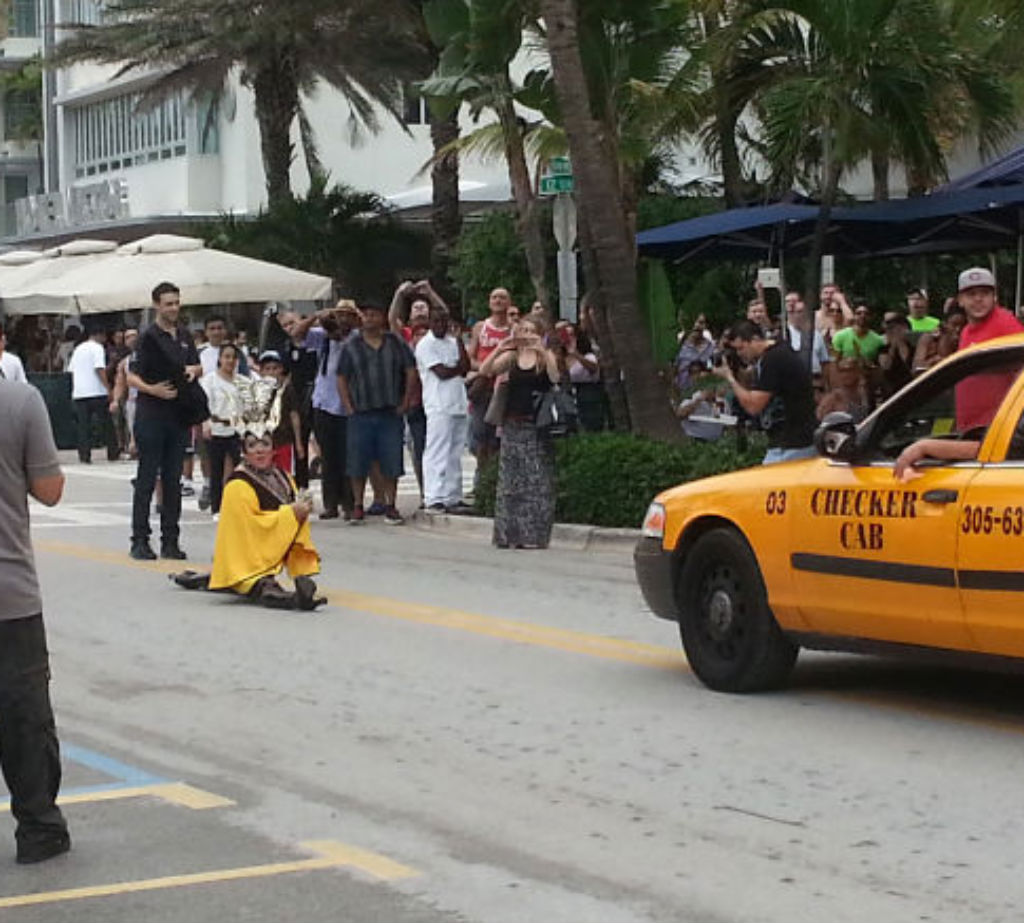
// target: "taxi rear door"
[[875, 558]]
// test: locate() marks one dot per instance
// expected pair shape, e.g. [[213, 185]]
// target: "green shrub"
[[608, 479]]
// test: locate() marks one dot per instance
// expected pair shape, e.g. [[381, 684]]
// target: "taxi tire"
[[750, 653]]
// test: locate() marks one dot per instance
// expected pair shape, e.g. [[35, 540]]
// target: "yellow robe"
[[253, 543]]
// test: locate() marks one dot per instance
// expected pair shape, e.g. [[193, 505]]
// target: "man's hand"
[[192, 372], [904, 469], [302, 509], [114, 408], [163, 390]]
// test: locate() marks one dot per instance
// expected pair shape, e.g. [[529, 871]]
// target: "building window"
[[83, 12], [414, 107], [113, 134], [24, 22], [22, 115], [15, 187]]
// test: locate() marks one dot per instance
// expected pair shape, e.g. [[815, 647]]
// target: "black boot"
[[191, 580], [271, 595], [305, 594]]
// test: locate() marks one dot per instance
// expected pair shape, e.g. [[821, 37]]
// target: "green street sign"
[[559, 166], [552, 185]]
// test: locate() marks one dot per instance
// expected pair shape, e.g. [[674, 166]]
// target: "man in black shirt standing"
[[165, 363], [782, 392]]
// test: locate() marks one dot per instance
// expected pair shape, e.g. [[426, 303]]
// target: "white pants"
[[442, 459]]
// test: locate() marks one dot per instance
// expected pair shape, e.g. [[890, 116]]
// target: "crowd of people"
[[352, 387], [773, 384]]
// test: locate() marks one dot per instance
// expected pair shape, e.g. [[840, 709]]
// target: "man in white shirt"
[[10, 365], [798, 322], [443, 362], [90, 392]]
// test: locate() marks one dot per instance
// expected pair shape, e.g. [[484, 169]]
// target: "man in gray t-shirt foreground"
[[29, 751]]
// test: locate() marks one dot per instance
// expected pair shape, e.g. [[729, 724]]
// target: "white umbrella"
[[23, 272], [124, 280]]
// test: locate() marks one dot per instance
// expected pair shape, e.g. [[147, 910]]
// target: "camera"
[[726, 355]]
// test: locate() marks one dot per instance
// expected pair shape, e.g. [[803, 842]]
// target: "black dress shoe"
[[191, 580], [305, 594], [43, 848], [173, 553], [329, 514], [142, 552]]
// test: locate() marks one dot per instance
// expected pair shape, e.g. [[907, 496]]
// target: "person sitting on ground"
[[264, 524]]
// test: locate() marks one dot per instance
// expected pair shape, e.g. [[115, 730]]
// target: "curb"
[[563, 535]]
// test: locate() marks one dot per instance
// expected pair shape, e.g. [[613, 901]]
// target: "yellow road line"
[[330, 855], [576, 642], [177, 793]]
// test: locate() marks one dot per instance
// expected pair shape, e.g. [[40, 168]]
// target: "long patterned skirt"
[[525, 504]]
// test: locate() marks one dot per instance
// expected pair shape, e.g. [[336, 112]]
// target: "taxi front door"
[[991, 558], [873, 557]]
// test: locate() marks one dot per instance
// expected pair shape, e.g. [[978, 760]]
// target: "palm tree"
[[479, 40], [606, 236], [362, 48], [875, 78]]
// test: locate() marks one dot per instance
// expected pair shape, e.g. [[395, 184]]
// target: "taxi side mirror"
[[837, 437]]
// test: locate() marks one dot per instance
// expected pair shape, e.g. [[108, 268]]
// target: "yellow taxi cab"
[[838, 553]]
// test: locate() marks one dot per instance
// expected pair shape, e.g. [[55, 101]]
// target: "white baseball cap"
[[976, 276]]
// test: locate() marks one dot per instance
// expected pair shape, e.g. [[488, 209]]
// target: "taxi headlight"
[[654, 521]]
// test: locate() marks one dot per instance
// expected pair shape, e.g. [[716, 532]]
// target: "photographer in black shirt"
[[782, 392]]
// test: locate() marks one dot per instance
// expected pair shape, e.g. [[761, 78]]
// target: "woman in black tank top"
[[525, 508]]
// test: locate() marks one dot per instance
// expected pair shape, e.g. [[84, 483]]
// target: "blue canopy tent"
[[1007, 170]]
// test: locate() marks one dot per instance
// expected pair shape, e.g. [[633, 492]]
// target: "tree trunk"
[[599, 191], [445, 217], [277, 104], [311, 153], [611, 373], [527, 208], [833, 172], [880, 175], [728, 150]]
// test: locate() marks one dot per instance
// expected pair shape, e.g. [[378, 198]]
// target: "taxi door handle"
[[940, 496]]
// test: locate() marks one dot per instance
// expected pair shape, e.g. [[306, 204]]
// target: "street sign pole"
[[564, 227]]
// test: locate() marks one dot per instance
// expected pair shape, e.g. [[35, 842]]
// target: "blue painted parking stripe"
[[122, 772]]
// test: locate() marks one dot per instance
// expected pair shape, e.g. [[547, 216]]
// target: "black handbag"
[[193, 405], [555, 413]]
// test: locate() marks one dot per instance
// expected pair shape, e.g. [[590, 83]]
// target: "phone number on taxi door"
[[984, 520]]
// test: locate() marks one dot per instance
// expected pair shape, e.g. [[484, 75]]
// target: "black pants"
[[29, 751], [416, 419], [331, 434], [302, 464], [88, 409], [221, 448], [161, 447]]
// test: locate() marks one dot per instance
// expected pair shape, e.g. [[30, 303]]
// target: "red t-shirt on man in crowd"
[[978, 397]]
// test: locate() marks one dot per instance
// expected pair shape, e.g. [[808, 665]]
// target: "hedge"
[[608, 479]]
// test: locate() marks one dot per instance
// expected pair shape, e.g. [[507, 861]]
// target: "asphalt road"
[[467, 734]]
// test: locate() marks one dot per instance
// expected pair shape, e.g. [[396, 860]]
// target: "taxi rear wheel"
[[730, 636]]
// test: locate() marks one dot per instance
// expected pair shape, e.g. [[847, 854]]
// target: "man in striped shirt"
[[377, 381]]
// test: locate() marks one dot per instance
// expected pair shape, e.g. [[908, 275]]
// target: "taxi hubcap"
[[720, 615]]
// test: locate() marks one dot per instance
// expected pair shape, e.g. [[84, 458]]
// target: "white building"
[[112, 168]]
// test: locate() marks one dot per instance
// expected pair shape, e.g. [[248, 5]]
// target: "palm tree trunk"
[[600, 193], [833, 173], [527, 211], [611, 373], [445, 217], [728, 150], [880, 175], [311, 152], [277, 104]]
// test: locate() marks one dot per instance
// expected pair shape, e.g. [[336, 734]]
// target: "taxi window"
[[958, 402]]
